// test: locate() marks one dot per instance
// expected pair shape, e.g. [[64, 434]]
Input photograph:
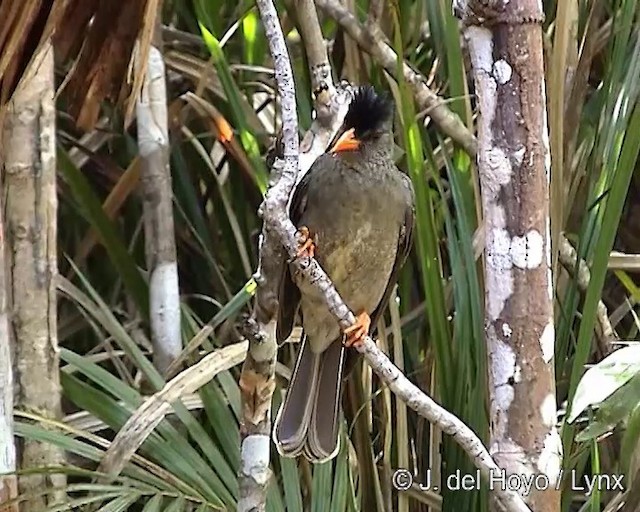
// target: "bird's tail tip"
[[308, 421]]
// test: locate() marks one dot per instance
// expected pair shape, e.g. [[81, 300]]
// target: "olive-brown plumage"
[[359, 210]]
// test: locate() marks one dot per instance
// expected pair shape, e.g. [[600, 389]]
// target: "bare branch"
[[30, 206], [257, 381], [157, 202], [448, 122], [315, 48], [8, 478]]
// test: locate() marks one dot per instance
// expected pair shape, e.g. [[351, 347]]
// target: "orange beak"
[[346, 142]]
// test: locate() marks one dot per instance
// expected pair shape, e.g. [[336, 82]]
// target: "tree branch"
[[277, 222], [448, 122], [315, 48], [257, 381], [579, 269], [157, 203]]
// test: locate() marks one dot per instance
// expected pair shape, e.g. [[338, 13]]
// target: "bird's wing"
[[405, 240], [289, 296]]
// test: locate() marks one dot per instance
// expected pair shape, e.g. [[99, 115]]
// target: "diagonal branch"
[[370, 42], [277, 222]]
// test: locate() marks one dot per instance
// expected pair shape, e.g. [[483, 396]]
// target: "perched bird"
[[355, 213]]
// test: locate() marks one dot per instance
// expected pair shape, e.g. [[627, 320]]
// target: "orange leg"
[[306, 247], [360, 329]]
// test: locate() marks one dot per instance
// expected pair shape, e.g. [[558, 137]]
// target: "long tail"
[[309, 419]]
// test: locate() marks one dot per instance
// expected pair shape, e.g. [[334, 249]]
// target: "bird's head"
[[367, 125]]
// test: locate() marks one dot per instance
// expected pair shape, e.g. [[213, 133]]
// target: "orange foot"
[[358, 330], [306, 247]]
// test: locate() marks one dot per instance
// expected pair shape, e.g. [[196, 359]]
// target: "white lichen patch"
[[151, 108], [547, 342], [499, 249], [527, 251], [502, 71], [501, 372], [500, 275], [480, 41], [481, 51], [504, 396], [499, 416], [517, 375], [501, 285], [164, 304], [503, 362], [548, 410], [498, 171], [550, 460], [498, 216], [518, 155], [508, 454], [255, 458], [506, 330]]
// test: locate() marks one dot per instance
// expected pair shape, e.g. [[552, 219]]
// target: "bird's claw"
[[355, 334], [306, 247]]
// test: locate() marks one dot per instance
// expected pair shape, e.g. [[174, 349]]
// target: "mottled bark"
[[505, 43], [257, 381], [160, 245], [8, 483], [31, 226]]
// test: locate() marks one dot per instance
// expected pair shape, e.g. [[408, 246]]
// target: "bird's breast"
[[355, 220]]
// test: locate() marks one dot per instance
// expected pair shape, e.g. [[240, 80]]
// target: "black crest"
[[368, 111]]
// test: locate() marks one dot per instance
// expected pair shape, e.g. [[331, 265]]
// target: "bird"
[[354, 211]]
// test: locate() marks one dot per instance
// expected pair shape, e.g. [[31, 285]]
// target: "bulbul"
[[354, 210]]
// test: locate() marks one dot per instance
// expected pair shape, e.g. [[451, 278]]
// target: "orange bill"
[[346, 142]]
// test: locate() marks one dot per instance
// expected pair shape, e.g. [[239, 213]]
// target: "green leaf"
[[111, 240]]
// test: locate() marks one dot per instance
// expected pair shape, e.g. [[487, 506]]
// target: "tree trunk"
[[505, 43], [8, 483], [31, 228], [160, 244]]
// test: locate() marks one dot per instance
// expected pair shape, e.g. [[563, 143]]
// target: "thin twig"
[[579, 269]]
